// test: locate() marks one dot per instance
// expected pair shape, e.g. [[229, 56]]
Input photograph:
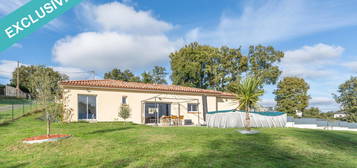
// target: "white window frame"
[[190, 110], [126, 100]]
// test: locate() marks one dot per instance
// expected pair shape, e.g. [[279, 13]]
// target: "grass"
[[119, 145]]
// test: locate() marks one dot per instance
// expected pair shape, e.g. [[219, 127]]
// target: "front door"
[[154, 111]]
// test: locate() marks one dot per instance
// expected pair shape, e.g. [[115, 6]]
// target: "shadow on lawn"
[[260, 150], [109, 130], [332, 139]]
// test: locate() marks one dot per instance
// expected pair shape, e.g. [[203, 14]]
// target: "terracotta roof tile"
[[108, 83]]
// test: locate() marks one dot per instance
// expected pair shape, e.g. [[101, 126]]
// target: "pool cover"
[[236, 119]]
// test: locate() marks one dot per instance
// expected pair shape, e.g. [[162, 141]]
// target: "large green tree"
[[312, 112], [291, 95], [159, 75], [125, 75], [262, 62], [208, 67], [28, 73], [189, 65], [347, 97], [146, 77]]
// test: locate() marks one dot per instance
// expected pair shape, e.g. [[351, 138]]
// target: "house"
[[339, 115], [100, 100]]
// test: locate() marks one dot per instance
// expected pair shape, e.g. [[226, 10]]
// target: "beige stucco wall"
[[227, 104], [109, 102]]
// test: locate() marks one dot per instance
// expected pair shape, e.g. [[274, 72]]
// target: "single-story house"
[[100, 100], [339, 115]]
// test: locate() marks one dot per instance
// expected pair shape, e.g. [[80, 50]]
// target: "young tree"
[[347, 97], [47, 94], [248, 92], [291, 95], [124, 112]]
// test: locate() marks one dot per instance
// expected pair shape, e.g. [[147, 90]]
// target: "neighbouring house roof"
[[108, 83]]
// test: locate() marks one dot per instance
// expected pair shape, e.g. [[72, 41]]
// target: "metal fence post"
[[12, 111], [23, 108]]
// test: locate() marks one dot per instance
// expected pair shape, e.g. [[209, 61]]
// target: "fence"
[[9, 91], [316, 123], [11, 111]]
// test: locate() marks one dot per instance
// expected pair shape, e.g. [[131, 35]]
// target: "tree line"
[[222, 69], [157, 75]]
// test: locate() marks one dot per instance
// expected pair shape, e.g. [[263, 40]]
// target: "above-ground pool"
[[236, 119]]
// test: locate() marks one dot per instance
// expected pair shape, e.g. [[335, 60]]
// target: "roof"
[[109, 83]]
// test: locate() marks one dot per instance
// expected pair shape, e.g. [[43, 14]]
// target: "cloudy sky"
[[318, 37]]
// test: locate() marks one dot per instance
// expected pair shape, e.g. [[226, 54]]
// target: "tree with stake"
[[47, 94], [248, 92]]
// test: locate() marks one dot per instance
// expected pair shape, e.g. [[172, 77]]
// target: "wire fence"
[[13, 111], [322, 122]]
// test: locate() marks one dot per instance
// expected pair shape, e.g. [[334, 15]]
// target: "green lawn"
[[119, 145]]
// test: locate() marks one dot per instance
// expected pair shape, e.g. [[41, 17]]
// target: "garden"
[[128, 145]]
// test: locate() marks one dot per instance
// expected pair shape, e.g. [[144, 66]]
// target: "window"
[[87, 106], [124, 100], [192, 107]]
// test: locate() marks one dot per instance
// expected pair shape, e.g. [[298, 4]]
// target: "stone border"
[[46, 140]]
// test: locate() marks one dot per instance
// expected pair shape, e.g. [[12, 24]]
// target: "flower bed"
[[45, 138]]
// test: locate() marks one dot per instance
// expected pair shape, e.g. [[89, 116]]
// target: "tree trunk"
[[48, 124], [247, 119]]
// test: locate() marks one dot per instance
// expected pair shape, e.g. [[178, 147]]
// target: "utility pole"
[[18, 79]]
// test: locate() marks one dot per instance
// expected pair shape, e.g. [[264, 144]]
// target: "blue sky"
[[318, 37]]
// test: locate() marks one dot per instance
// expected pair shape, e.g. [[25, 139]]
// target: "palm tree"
[[248, 92]]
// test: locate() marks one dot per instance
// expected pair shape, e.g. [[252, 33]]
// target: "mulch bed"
[[43, 137]]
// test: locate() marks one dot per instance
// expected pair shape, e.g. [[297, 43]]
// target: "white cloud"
[[318, 101], [268, 102], [121, 18], [104, 51], [131, 39], [17, 45], [6, 68], [311, 61], [11, 5], [351, 65], [74, 73], [319, 53], [270, 21]]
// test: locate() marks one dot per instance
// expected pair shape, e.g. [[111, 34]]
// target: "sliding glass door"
[[87, 107]]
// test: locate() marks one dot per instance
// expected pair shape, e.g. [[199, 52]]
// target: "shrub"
[[124, 112]]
